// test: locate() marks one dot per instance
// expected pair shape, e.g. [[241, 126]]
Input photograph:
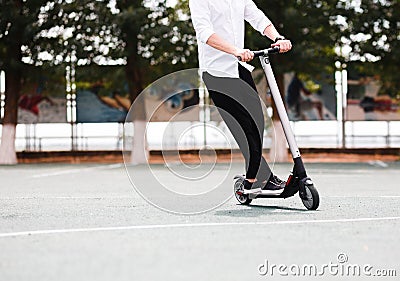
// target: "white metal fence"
[[197, 135]]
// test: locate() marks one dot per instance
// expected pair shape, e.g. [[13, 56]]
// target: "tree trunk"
[[13, 71], [139, 153], [278, 150], [8, 155]]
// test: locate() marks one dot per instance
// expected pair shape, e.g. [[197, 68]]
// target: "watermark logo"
[[342, 258], [341, 267], [179, 104]]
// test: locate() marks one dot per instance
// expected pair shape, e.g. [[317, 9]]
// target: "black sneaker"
[[274, 183], [250, 187]]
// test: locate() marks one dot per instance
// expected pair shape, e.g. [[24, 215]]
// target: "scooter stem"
[[280, 107]]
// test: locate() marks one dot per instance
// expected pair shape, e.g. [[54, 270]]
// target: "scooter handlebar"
[[265, 52]]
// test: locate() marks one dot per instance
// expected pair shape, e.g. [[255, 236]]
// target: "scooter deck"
[[288, 191]]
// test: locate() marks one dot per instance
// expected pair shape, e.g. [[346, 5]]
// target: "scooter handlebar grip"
[[258, 53], [273, 50], [261, 53]]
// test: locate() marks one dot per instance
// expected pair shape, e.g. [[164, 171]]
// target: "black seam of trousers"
[[239, 106]]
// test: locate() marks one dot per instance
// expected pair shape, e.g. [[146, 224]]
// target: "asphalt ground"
[[87, 222]]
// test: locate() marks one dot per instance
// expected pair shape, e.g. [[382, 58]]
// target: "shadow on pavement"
[[256, 210]]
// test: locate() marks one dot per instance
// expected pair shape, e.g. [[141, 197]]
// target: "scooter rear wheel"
[[238, 191], [312, 201]]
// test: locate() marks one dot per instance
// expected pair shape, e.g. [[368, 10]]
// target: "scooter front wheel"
[[311, 200], [239, 192]]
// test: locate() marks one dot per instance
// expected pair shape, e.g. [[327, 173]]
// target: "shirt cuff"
[[263, 25], [249, 67], [205, 34]]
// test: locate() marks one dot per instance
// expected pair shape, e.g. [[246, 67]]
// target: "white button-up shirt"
[[226, 19]]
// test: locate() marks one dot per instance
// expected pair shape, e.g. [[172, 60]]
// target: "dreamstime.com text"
[[341, 267]]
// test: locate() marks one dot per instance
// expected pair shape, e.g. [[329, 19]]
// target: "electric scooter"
[[298, 181]]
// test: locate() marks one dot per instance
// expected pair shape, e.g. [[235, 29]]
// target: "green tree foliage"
[[72, 30], [372, 30], [318, 28], [155, 40], [38, 33], [310, 25], [48, 33], [17, 29]]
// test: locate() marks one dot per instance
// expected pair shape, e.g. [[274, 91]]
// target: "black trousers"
[[239, 104]]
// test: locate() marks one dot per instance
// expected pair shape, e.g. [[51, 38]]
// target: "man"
[[220, 29], [297, 103], [293, 97]]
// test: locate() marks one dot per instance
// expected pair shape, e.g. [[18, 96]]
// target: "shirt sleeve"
[[200, 14], [253, 15]]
